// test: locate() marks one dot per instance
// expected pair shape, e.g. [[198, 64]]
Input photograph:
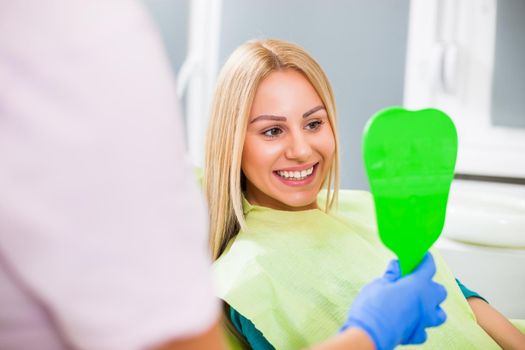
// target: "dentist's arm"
[[212, 339], [351, 339]]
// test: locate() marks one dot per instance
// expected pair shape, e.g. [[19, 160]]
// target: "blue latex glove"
[[394, 310]]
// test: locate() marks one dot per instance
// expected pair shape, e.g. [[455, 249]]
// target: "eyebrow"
[[283, 119], [313, 110], [269, 117]]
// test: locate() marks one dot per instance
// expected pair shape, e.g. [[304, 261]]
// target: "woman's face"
[[289, 143]]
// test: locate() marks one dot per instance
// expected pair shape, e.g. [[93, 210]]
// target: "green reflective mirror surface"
[[409, 159]]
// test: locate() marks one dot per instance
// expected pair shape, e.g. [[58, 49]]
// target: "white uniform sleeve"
[[100, 216]]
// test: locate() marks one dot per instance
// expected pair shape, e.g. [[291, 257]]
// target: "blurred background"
[[361, 45], [465, 57]]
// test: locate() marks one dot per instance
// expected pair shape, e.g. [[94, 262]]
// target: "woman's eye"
[[273, 132], [314, 125]]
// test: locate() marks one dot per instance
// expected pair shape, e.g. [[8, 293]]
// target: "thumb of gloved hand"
[[393, 271]]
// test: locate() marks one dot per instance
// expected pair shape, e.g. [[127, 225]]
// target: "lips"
[[297, 176]]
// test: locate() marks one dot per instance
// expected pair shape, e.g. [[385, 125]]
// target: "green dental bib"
[[295, 274]]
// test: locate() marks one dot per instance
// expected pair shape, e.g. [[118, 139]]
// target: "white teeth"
[[296, 175]]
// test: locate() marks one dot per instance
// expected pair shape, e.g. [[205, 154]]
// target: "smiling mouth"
[[296, 175]]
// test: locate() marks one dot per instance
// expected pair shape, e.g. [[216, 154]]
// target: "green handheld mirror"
[[409, 159]]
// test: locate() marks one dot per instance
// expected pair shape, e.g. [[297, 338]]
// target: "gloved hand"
[[395, 310]]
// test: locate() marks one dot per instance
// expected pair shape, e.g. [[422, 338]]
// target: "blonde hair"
[[237, 83]]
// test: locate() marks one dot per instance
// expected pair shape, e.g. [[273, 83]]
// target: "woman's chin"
[[300, 204]]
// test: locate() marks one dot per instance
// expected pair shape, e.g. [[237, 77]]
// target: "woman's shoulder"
[[247, 329], [237, 268], [354, 205], [349, 199], [356, 201]]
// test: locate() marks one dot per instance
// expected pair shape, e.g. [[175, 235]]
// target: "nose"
[[299, 147]]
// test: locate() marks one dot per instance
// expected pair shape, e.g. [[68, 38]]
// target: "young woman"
[[291, 250]]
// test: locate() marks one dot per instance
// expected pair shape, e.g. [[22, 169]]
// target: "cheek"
[[258, 156], [327, 144], [246, 160], [249, 153]]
